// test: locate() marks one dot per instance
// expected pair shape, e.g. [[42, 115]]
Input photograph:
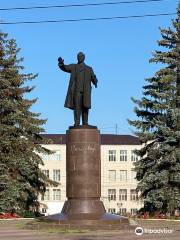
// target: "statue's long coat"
[[89, 77]]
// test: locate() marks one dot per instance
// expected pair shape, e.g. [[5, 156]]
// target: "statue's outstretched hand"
[[60, 60]]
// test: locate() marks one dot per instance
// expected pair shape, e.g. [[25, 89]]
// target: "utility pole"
[[116, 129]]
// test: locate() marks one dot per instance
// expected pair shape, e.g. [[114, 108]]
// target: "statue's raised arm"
[[63, 67]]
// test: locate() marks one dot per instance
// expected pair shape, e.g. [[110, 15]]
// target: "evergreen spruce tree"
[[21, 179], [158, 127]]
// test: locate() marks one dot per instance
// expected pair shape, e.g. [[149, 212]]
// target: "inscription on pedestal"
[[83, 147]]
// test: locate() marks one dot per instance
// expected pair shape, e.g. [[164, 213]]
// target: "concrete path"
[[14, 231]]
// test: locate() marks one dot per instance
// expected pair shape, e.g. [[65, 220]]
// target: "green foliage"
[[21, 179], [158, 127], [29, 214]]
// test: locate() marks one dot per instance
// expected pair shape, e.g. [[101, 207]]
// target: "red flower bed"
[[8, 215]]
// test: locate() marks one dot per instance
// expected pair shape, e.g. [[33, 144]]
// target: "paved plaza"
[[15, 230]]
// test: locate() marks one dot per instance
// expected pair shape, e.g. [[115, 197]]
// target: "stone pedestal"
[[83, 170]]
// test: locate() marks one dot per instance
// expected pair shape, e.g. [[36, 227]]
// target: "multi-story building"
[[118, 183]]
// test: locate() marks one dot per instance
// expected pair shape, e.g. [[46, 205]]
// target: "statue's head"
[[80, 57]]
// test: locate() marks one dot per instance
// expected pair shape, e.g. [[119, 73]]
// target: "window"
[[123, 175], [123, 155], [112, 175], [46, 172], [112, 210], [122, 194], [122, 211], [112, 194], [133, 195], [56, 194], [134, 157], [133, 175], [45, 157], [133, 211], [46, 196], [44, 210], [56, 175], [57, 156], [112, 155]]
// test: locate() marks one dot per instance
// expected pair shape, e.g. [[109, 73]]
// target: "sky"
[[118, 50]]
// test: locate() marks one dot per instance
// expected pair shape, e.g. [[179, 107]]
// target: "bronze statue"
[[78, 97]]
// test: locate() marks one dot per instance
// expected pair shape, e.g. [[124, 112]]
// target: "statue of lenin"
[[78, 97]]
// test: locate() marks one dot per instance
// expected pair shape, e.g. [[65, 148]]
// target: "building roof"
[[106, 139], [112, 139]]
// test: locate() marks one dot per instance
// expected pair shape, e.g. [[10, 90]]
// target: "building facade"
[[118, 183]]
